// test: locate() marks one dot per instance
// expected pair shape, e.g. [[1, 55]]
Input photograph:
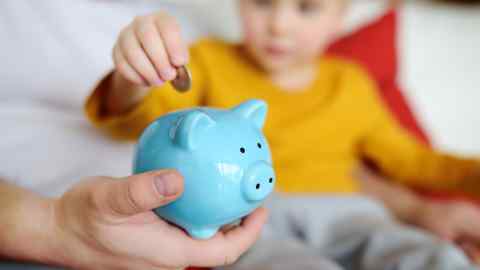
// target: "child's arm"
[[462, 223], [402, 158], [402, 201], [406, 162], [136, 91], [121, 94]]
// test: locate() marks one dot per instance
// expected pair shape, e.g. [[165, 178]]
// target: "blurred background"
[[438, 53], [438, 46]]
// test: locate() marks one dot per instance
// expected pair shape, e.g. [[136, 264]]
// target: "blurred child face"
[[282, 34]]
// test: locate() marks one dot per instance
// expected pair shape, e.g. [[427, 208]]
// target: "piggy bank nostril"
[[258, 181]]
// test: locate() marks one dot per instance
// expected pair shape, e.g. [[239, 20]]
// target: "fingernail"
[[180, 60], [159, 82], [167, 184], [170, 74]]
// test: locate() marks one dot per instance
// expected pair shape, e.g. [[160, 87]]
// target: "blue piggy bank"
[[224, 158]]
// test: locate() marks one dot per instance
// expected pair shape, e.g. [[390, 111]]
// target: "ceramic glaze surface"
[[223, 156]]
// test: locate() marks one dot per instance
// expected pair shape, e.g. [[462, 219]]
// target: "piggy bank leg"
[[202, 233]]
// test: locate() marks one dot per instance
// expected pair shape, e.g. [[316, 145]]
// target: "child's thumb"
[[143, 192]]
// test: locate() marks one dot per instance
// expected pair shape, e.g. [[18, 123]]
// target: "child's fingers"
[[125, 69], [471, 226], [467, 218], [471, 250], [175, 46], [134, 54], [150, 40]]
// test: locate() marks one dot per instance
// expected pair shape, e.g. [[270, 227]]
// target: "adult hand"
[[106, 223]]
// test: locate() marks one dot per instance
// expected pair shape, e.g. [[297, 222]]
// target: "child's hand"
[[472, 249], [149, 50], [453, 221], [106, 223], [146, 54]]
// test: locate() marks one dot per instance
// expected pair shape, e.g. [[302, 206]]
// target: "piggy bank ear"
[[190, 128], [254, 110]]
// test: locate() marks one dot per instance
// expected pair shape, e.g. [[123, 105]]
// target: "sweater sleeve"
[[400, 156], [159, 101]]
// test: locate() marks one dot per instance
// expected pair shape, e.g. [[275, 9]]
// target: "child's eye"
[[242, 150], [308, 6], [259, 145], [263, 3]]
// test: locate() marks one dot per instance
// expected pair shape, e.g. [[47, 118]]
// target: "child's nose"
[[280, 22]]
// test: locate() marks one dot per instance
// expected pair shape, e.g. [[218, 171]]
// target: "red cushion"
[[393, 97], [374, 46]]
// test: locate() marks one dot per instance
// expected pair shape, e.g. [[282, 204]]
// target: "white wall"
[[440, 48]]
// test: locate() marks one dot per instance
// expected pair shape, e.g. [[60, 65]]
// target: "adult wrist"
[[28, 229]]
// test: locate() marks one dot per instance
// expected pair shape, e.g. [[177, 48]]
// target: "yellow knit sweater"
[[316, 135]]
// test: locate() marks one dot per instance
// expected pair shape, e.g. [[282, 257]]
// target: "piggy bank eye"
[[259, 145], [242, 150]]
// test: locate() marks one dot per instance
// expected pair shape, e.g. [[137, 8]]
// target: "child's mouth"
[[276, 51]]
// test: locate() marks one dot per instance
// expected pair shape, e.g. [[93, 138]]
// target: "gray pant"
[[334, 233]]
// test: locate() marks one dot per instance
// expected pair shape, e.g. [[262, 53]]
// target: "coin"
[[183, 81]]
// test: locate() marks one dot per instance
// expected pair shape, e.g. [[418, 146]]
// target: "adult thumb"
[[143, 192]]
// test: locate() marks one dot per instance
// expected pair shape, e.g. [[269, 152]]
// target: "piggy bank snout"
[[258, 181]]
